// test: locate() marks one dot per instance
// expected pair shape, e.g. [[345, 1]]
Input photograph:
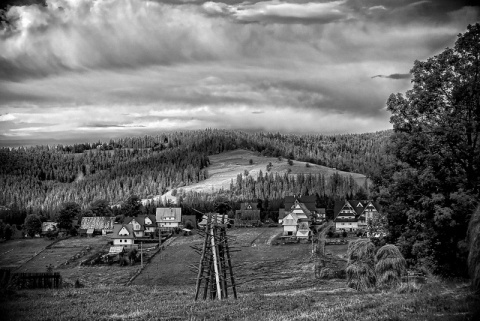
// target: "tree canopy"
[[432, 190], [33, 225], [68, 212]]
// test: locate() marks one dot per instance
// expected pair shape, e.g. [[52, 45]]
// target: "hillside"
[[224, 168], [40, 179]]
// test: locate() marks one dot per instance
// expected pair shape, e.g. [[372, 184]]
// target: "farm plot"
[[251, 263], [64, 252], [14, 253]]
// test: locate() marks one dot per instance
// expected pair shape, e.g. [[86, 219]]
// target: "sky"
[[84, 70]]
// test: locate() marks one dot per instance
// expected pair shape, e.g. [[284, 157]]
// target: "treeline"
[[42, 178]]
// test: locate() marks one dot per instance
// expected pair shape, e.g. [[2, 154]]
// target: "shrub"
[[474, 250], [360, 266], [307, 165], [390, 266], [330, 233], [73, 231], [344, 234], [290, 162], [250, 161]]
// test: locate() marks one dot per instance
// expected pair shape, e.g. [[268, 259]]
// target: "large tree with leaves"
[[132, 206], [68, 212], [434, 186], [33, 225]]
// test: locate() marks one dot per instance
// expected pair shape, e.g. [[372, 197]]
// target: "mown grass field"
[[276, 283]]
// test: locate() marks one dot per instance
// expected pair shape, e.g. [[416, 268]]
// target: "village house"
[[123, 235], [309, 201], [96, 225], [143, 225], [49, 227], [247, 215], [169, 217], [354, 214], [297, 221]]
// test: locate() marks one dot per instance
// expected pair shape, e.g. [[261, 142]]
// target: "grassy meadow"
[[225, 167], [277, 282]]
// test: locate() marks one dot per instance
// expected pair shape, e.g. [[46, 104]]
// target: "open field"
[[226, 166], [302, 299], [277, 283], [66, 256], [15, 253]]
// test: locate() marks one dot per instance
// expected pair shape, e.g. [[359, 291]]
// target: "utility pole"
[[141, 253]]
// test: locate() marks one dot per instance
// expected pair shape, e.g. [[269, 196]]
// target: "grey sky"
[[78, 70]]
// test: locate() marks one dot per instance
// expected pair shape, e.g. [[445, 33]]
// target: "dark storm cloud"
[[394, 76]]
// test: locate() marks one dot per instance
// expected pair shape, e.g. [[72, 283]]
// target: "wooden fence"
[[32, 280]]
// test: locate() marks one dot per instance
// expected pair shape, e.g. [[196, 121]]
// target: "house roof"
[[248, 206], [358, 207], [290, 219], [97, 223], [308, 200], [169, 215], [303, 233], [119, 227]]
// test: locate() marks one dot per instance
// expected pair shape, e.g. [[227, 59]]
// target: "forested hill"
[[44, 177]]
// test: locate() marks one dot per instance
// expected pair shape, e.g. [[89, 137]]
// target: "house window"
[[289, 233]]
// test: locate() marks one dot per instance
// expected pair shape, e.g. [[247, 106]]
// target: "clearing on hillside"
[[225, 167]]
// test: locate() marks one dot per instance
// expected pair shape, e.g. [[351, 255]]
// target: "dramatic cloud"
[[394, 76], [280, 12], [85, 69]]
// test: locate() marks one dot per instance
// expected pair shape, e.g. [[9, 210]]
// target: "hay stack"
[[474, 250], [390, 267], [360, 266]]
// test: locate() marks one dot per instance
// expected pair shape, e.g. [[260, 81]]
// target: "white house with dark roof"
[[143, 225], [354, 214], [168, 217], [297, 221], [123, 235]]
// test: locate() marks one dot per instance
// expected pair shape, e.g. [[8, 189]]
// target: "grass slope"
[[225, 167]]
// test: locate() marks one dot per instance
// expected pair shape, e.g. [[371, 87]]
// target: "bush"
[[290, 162], [307, 165], [73, 231], [360, 266], [390, 266], [344, 234], [250, 161]]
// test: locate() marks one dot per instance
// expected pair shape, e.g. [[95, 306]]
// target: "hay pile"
[[474, 250], [360, 266], [390, 266]]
